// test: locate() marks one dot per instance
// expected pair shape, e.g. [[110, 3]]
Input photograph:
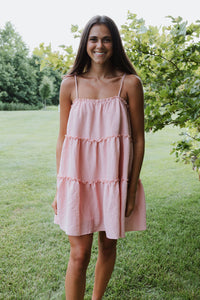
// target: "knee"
[[108, 249], [80, 259]]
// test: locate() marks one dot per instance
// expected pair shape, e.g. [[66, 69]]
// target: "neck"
[[101, 71]]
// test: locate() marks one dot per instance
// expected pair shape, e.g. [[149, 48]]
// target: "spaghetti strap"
[[76, 86], [138, 77], [121, 85]]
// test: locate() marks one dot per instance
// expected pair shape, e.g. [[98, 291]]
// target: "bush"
[[19, 106]]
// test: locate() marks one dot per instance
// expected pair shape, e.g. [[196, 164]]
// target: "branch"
[[161, 57], [196, 139], [167, 60], [151, 70]]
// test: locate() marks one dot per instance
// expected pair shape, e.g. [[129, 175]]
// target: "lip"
[[99, 53]]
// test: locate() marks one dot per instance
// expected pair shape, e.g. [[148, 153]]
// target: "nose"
[[99, 43]]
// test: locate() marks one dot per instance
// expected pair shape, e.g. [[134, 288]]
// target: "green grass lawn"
[[159, 263]]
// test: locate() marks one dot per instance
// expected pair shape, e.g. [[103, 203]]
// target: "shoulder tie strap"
[[121, 85], [76, 86]]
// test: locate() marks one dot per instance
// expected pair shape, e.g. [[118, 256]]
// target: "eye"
[[107, 40], [93, 39]]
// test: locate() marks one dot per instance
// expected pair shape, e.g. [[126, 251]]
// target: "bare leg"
[[104, 266], [78, 262]]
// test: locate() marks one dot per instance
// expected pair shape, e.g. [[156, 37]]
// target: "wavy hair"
[[119, 59]]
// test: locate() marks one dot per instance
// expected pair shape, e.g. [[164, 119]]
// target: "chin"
[[101, 62]]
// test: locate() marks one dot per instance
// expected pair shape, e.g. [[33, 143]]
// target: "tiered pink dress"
[[95, 165]]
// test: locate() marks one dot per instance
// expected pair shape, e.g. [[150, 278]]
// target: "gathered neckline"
[[99, 99]]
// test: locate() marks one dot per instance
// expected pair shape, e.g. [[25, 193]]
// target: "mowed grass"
[[159, 263]]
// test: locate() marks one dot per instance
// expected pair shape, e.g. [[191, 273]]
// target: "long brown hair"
[[119, 59]]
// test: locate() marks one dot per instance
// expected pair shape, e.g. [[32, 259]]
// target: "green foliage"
[[61, 61], [46, 89], [54, 75], [17, 76], [188, 149], [19, 106], [168, 62], [76, 31], [20, 74]]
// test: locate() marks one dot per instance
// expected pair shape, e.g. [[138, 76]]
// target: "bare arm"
[[65, 106], [66, 89], [136, 107]]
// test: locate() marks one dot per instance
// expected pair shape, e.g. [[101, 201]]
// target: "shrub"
[[19, 106]]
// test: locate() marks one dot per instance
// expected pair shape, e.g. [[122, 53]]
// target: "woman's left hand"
[[54, 204], [130, 203]]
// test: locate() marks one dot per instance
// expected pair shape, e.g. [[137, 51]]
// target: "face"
[[99, 44]]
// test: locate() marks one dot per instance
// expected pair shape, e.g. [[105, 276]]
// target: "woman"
[[99, 155]]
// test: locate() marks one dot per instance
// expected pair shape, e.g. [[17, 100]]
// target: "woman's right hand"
[[54, 204]]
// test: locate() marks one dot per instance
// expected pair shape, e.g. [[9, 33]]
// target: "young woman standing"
[[99, 153]]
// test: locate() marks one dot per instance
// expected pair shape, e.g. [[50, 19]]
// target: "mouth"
[[99, 53]]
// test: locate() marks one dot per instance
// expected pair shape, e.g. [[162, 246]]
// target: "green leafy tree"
[[46, 89], [168, 62], [61, 61], [50, 72], [17, 76]]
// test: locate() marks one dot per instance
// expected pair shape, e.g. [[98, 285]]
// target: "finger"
[[54, 205], [128, 212]]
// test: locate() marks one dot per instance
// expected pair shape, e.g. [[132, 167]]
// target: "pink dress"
[[95, 165]]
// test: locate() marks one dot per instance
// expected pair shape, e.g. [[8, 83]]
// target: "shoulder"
[[133, 81], [67, 87], [134, 89], [67, 82]]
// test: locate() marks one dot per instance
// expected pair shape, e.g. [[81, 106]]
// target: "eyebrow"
[[94, 36]]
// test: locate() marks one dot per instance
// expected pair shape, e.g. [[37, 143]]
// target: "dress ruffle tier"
[[95, 167]]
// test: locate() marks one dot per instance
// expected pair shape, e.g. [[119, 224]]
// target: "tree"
[[61, 61], [46, 89], [168, 61], [21, 74], [17, 76], [54, 64], [50, 72]]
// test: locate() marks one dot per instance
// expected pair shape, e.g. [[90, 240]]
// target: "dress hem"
[[140, 228]]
